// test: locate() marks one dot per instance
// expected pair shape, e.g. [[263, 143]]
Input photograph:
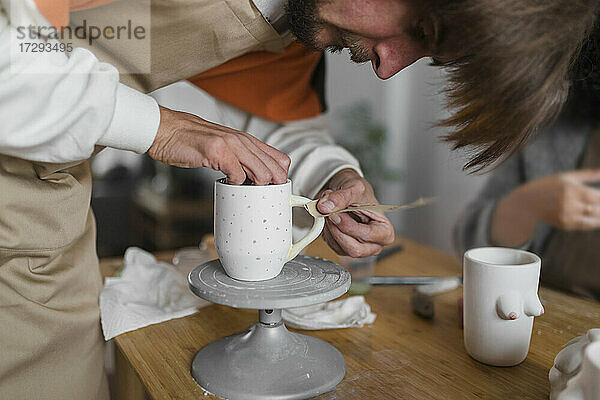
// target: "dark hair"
[[509, 64], [583, 102]]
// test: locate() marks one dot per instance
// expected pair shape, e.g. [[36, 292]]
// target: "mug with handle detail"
[[253, 229]]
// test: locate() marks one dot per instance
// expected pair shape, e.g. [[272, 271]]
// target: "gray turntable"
[[267, 361]]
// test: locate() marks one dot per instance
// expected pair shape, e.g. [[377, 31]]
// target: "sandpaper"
[[312, 207]]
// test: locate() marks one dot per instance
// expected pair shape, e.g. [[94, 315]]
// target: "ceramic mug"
[[586, 384], [576, 369], [500, 301], [253, 229]]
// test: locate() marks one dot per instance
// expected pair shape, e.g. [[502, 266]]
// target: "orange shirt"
[[277, 86], [57, 11]]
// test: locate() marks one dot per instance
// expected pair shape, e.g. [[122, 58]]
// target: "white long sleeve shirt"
[[77, 103], [60, 115], [315, 156]]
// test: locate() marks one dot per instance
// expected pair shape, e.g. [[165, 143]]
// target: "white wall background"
[[409, 104]]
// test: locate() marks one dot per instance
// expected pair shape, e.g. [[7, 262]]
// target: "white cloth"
[[146, 293], [352, 312], [149, 291], [77, 102]]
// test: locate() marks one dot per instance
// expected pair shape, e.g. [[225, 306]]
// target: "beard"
[[305, 23]]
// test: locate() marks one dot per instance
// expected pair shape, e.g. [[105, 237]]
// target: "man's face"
[[389, 33]]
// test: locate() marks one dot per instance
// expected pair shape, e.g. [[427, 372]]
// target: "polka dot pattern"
[[253, 229]]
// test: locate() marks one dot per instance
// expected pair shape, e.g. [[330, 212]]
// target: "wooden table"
[[400, 356]]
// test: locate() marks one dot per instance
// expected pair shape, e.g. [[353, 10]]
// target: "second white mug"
[[500, 301]]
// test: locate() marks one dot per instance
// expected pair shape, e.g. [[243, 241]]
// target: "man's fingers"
[[350, 245], [190, 141], [375, 216], [278, 174], [230, 166], [282, 159], [324, 193], [331, 241], [347, 225], [337, 200], [258, 170], [359, 217], [374, 232], [351, 193]]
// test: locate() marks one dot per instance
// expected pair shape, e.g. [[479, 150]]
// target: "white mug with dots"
[[253, 229]]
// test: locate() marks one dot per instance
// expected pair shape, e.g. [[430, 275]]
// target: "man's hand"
[[358, 234], [185, 140]]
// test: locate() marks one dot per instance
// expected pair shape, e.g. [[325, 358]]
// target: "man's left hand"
[[356, 234]]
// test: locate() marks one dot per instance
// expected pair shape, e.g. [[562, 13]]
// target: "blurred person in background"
[[546, 198]]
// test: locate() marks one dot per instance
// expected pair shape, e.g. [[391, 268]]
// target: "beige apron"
[[572, 258], [50, 340], [51, 346], [187, 37]]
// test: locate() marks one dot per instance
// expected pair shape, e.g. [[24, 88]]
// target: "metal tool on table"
[[426, 287], [267, 361], [415, 280]]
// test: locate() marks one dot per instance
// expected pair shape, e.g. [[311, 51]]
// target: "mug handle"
[[315, 231]]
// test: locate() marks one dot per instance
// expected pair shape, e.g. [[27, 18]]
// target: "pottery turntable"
[[267, 361]]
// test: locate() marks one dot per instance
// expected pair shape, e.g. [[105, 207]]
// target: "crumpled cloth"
[[147, 292], [351, 312], [150, 291]]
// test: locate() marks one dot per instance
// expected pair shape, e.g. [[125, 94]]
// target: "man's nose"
[[393, 56]]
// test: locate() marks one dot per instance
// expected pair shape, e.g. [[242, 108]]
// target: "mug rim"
[[221, 181], [534, 258]]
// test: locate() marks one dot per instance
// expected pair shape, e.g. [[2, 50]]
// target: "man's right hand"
[[185, 140]]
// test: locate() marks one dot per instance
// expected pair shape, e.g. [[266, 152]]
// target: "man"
[[49, 283]]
